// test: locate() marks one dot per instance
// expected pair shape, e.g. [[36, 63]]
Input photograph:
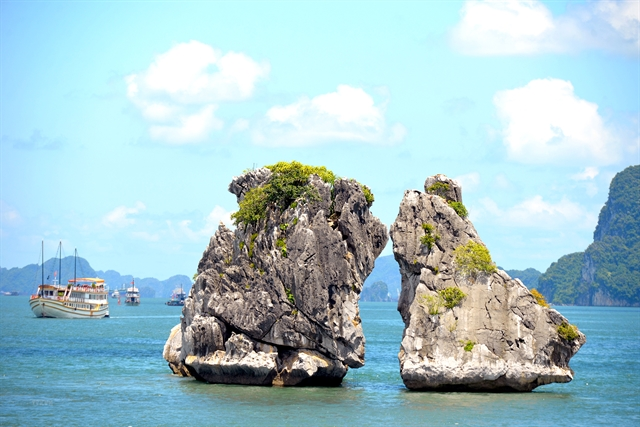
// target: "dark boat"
[[177, 297]]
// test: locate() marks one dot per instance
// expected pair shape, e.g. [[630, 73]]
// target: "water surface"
[[111, 372]]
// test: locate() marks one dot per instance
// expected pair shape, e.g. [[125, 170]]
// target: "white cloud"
[[119, 217], [215, 217], [185, 229], [469, 182], [545, 122], [348, 114], [9, 216], [517, 27], [535, 212], [587, 174], [181, 90], [188, 128]]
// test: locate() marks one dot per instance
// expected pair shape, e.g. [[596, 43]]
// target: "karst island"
[[468, 325], [275, 301]]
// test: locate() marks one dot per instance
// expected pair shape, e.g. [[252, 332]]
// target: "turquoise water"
[[111, 372]]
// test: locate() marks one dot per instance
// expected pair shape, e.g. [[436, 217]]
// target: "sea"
[[110, 372]]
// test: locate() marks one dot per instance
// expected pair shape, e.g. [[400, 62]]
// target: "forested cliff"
[[608, 272]]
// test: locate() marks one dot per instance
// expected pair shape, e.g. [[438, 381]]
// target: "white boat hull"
[[45, 307]]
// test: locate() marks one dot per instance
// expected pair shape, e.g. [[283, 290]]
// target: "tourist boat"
[[81, 298], [132, 296], [177, 297]]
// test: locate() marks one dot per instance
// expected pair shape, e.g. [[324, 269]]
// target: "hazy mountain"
[[386, 270], [25, 280], [529, 276], [377, 292]]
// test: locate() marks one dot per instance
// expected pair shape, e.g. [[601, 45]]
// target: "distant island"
[[607, 273], [378, 292], [25, 280]]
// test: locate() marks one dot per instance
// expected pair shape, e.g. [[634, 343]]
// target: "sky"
[[122, 123]]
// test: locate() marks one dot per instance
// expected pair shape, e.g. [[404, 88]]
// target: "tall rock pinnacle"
[[275, 302], [468, 325]]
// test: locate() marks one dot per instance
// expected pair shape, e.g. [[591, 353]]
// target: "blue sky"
[[122, 123]]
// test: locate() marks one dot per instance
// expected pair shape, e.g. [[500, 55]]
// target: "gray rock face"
[[243, 183], [276, 303], [497, 338]]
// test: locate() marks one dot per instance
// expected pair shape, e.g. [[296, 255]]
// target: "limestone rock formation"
[[494, 335], [275, 302]]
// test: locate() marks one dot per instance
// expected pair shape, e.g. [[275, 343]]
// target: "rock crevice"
[[497, 337], [275, 302]]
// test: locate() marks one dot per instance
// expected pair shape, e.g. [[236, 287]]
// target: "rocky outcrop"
[[497, 337], [276, 302]]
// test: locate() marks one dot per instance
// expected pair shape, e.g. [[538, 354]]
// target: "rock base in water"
[[275, 302], [468, 331]]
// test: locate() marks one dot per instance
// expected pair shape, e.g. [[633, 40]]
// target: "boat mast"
[[75, 263], [60, 265], [42, 263]]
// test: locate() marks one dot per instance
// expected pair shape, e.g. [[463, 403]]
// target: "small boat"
[[115, 294], [132, 296], [177, 297], [81, 298]]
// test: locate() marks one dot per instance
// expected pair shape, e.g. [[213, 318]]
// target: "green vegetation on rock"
[[459, 208], [253, 207], [289, 183], [451, 296], [286, 188], [252, 243], [368, 195], [567, 331], [448, 298], [433, 303], [438, 188], [290, 296], [441, 189], [282, 245], [539, 298], [473, 259], [430, 237]]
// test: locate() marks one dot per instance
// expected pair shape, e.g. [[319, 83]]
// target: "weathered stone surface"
[[514, 341], [452, 193], [277, 302], [243, 183], [172, 349]]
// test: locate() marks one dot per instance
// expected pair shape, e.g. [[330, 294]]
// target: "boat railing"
[[97, 289]]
